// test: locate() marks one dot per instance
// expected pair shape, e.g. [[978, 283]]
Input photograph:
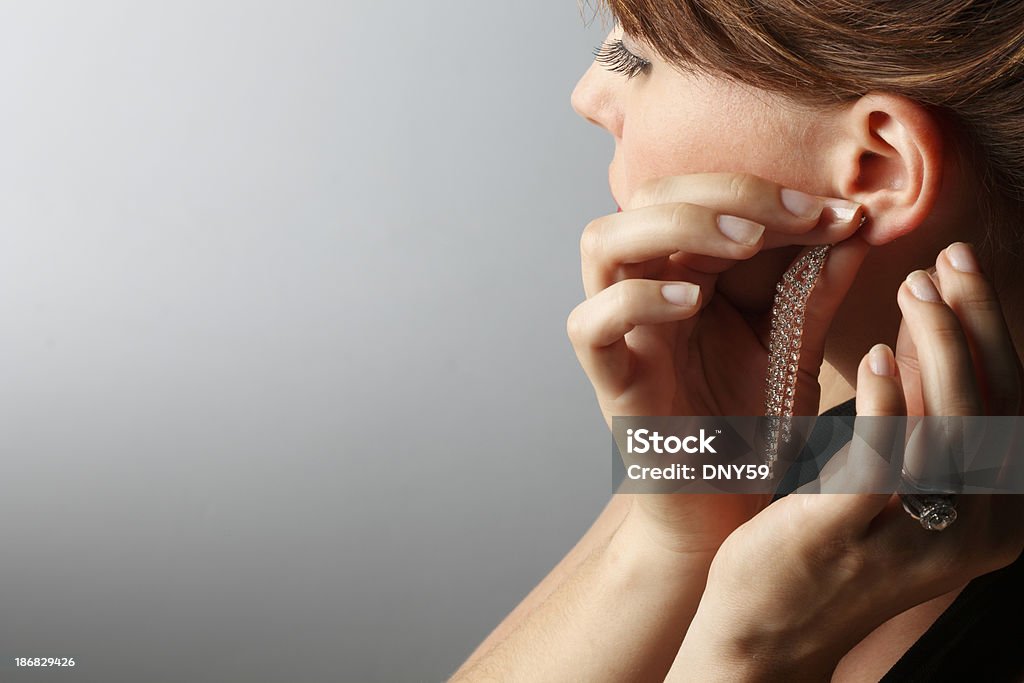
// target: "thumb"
[[837, 275], [910, 370]]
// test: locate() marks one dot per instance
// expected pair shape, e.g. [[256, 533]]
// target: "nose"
[[594, 99]]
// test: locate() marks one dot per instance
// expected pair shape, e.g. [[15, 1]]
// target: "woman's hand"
[[811, 575], [652, 336], [649, 352]]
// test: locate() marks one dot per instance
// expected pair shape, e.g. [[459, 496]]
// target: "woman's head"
[[911, 108]]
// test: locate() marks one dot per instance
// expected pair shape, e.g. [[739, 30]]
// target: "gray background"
[[285, 390]]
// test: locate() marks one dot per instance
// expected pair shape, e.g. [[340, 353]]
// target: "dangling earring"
[[791, 294]]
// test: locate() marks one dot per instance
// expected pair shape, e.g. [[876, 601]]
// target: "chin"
[[750, 284]]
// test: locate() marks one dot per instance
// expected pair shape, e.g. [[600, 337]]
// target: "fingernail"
[[842, 211], [680, 294], [800, 204], [881, 361], [962, 257], [740, 229], [923, 287]]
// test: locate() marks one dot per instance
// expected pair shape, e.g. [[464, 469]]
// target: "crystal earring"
[[791, 294]]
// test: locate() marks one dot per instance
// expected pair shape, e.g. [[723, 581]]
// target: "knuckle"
[[625, 296], [947, 333], [956, 407], [742, 187], [908, 363], [679, 217], [591, 240], [852, 563], [574, 324], [886, 401], [840, 555], [979, 300]]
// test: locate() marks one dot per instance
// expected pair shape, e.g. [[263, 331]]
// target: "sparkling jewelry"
[[934, 511], [934, 508], [791, 294]]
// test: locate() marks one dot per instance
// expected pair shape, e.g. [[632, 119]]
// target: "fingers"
[[660, 231], [974, 301], [948, 382], [597, 327], [910, 370], [955, 342], [875, 454], [783, 210], [879, 390], [872, 461], [704, 221], [947, 376], [996, 364]]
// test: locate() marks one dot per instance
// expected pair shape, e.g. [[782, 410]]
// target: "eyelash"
[[615, 57]]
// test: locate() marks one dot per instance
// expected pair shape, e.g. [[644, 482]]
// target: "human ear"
[[889, 157]]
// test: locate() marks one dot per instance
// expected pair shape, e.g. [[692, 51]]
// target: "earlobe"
[[890, 159]]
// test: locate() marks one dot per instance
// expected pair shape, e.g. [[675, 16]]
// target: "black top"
[[979, 636]]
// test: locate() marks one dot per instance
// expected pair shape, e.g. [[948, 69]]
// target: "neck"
[[834, 388], [855, 331]]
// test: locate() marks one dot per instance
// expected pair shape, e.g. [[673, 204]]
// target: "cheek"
[[687, 139], [712, 129], [656, 145], [714, 132]]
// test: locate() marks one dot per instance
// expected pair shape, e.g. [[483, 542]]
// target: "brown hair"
[[962, 58]]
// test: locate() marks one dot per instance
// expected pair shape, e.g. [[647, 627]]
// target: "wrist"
[[637, 563], [716, 648], [647, 591], [644, 539], [732, 638], [689, 524]]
